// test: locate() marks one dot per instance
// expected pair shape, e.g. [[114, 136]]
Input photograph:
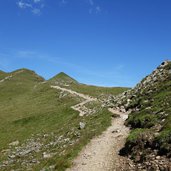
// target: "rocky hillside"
[[149, 143]]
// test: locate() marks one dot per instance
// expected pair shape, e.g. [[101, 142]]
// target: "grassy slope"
[[31, 109], [14, 97], [156, 119], [97, 91]]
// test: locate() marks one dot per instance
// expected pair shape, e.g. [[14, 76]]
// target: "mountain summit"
[[62, 79]]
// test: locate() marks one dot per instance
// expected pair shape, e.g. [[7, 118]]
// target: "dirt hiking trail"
[[101, 154]]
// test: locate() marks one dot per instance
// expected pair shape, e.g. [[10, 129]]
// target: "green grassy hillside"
[[38, 128]]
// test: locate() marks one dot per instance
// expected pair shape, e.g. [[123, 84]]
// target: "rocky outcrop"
[[129, 100]]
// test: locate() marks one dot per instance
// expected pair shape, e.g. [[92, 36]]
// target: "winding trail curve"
[[77, 107]]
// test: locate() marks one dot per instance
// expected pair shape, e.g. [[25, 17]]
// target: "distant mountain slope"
[[149, 142]]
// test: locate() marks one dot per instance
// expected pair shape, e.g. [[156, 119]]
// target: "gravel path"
[[101, 154]]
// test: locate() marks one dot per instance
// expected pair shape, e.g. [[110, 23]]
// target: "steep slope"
[[149, 143]]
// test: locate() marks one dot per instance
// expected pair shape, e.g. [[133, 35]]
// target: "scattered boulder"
[[47, 155], [82, 125]]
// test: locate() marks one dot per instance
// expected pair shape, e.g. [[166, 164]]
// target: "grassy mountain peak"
[[62, 79]]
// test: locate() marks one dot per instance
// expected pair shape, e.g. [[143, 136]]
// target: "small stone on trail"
[[116, 131], [158, 157], [83, 163]]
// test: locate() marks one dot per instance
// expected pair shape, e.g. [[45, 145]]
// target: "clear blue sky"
[[100, 42]]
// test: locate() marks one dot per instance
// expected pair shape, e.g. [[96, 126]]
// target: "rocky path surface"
[[101, 154], [79, 107]]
